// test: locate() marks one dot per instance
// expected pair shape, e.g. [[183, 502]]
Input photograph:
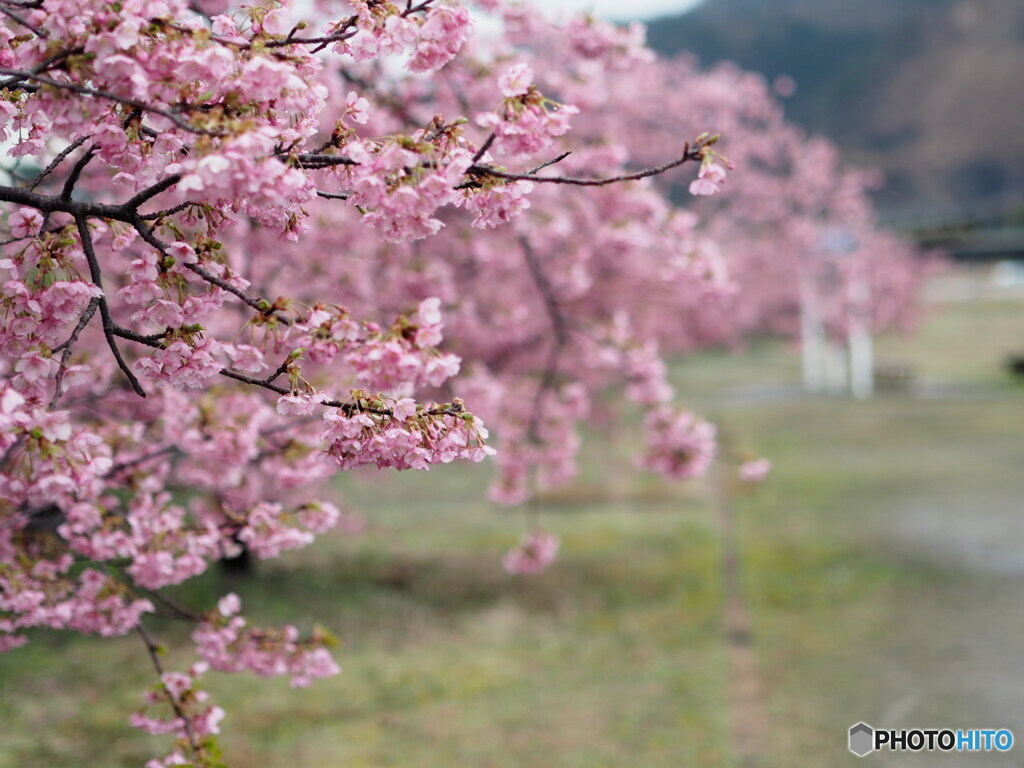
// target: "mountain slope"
[[931, 91]]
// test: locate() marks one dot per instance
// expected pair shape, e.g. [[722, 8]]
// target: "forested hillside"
[[929, 90]]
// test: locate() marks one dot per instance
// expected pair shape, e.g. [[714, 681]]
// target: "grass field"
[[878, 570]]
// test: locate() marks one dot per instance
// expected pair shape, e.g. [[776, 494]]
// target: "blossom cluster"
[[405, 360], [37, 591], [382, 28], [526, 122], [404, 438], [269, 530], [228, 643], [535, 552], [680, 445], [51, 459]]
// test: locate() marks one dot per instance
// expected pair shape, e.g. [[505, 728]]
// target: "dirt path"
[[941, 512], [958, 653]]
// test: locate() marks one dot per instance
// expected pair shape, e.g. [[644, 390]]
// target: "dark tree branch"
[[44, 65], [262, 306], [689, 155], [317, 161], [560, 327], [349, 407], [266, 383], [132, 204], [344, 32], [484, 147], [85, 90], [178, 611], [108, 321], [76, 173], [21, 20], [59, 204], [153, 340]]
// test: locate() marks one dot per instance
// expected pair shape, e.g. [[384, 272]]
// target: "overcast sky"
[[621, 9]]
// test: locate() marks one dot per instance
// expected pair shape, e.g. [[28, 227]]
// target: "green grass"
[[617, 655]]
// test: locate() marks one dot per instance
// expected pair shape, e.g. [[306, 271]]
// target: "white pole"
[[812, 337], [835, 368], [862, 352]]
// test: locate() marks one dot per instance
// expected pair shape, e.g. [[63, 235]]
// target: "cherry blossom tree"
[[247, 249]]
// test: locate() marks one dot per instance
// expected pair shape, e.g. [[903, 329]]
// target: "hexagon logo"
[[862, 739]]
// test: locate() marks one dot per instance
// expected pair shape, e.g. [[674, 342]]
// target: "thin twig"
[[260, 305], [21, 20], [167, 211], [132, 463], [66, 346], [180, 611], [486, 170], [282, 369], [154, 655], [550, 162], [60, 158]]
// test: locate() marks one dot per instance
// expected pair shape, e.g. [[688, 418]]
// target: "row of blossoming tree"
[[245, 251]]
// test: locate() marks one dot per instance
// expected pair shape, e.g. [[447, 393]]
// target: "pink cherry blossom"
[[755, 470], [516, 80], [680, 444], [26, 222], [709, 179], [534, 553]]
